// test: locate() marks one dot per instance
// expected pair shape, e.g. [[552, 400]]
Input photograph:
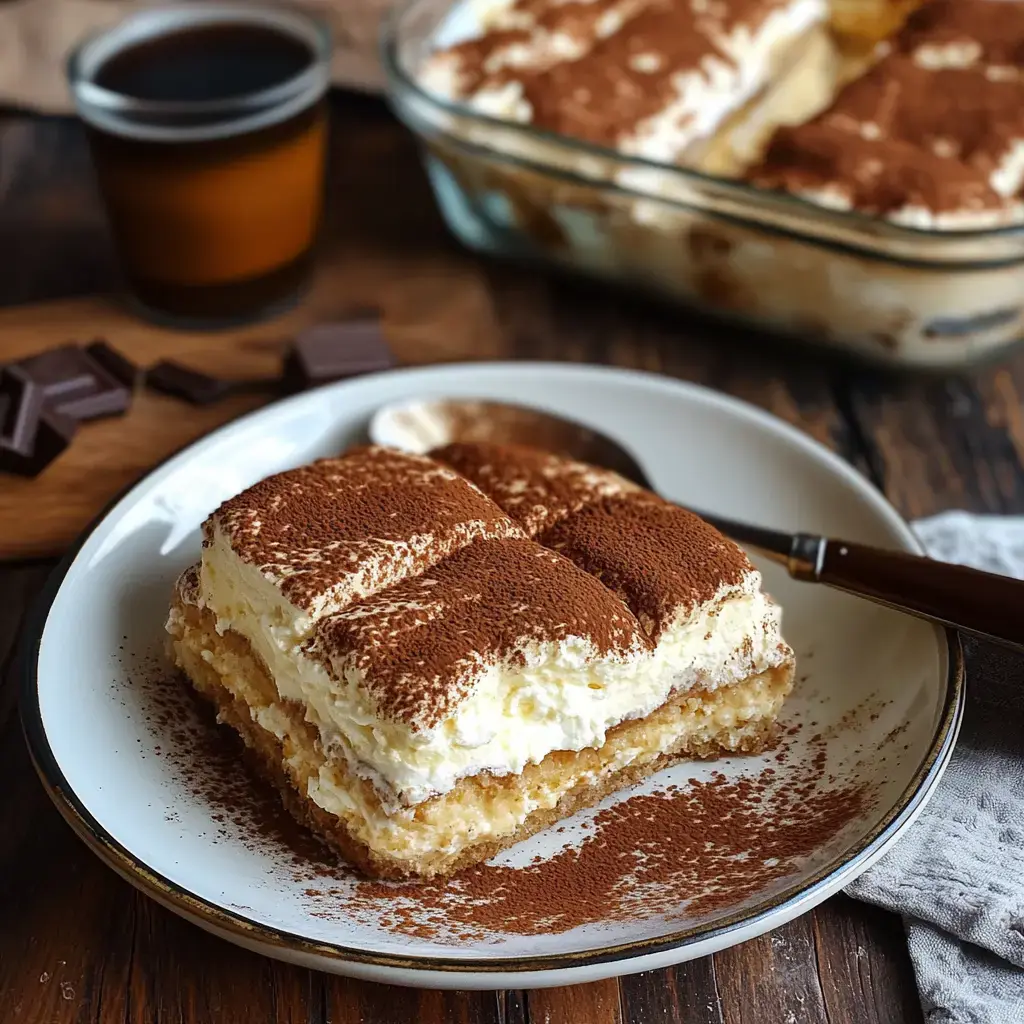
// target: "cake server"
[[980, 603]]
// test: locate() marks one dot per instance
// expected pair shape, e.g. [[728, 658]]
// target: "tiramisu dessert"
[[658, 79], [931, 136], [559, 130], [667, 79], [435, 657]]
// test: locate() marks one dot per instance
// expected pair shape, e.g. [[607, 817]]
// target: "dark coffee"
[[210, 157], [209, 62]]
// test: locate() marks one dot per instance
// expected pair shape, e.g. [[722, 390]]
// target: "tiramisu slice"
[[302, 544], [694, 593], [649, 78], [534, 487], [931, 136], [428, 685]]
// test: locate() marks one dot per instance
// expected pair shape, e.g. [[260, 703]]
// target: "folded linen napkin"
[[957, 876]]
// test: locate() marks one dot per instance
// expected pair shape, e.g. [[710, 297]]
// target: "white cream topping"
[[704, 96], [837, 197], [373, 560], [564, 697]]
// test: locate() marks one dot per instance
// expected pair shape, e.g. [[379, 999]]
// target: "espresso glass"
[[208, 130]]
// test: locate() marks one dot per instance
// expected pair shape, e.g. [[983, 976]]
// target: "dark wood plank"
[[79, 944], [844, 963], [685, 994], [945, 442], [19, 585], [863, 964], [50, 206], [596, 1003], [556, 318], [355, 1002], [773, 977], [512, 1007], [169, 968]]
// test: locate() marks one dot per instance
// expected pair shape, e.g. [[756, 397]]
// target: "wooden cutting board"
[[433, 311]]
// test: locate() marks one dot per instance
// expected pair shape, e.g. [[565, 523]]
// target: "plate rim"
[[197, 908]]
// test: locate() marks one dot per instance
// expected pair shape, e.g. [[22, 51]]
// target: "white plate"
[[106, 736]]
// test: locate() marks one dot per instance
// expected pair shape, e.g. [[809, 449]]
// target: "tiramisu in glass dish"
[[435, 657], [845, 170]]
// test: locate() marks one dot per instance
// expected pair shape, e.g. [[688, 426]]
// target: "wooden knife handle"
[[976, 602]]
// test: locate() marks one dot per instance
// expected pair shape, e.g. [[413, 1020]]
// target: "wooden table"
[[77, 944]]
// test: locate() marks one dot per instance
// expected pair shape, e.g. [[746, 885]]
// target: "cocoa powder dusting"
[[319, 528], [208, 763], [660, 559], [536, 488], [597, 70], [424, 644], [930, 126], [686, 851]]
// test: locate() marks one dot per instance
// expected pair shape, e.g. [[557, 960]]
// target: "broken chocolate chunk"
[[334, 351], [23, 403], [114, 362], [172, 378], [76, 386], [32, 433]]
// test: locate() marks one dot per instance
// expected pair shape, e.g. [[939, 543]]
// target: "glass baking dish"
[[900, 295]]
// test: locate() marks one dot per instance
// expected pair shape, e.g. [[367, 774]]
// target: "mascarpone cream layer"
[[557, 696], [479, 812], [448, 826]]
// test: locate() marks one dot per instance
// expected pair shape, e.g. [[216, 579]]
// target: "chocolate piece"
[[334, 351], [193, 386], [32, 434], [114, 362], [76, 386], [23, 401]]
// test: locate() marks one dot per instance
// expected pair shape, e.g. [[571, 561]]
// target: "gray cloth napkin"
[[957, 876]]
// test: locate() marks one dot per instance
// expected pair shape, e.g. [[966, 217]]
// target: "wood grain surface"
[[79, 945], [434, 309], [41, 516]]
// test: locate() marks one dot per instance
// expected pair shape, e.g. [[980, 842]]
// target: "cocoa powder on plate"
[[682, 852], [689, 850]]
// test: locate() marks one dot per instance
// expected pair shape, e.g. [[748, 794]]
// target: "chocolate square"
[[32, 434], [334, 351], [75, 385], [23, 402], [193, 386], [114, 362]]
